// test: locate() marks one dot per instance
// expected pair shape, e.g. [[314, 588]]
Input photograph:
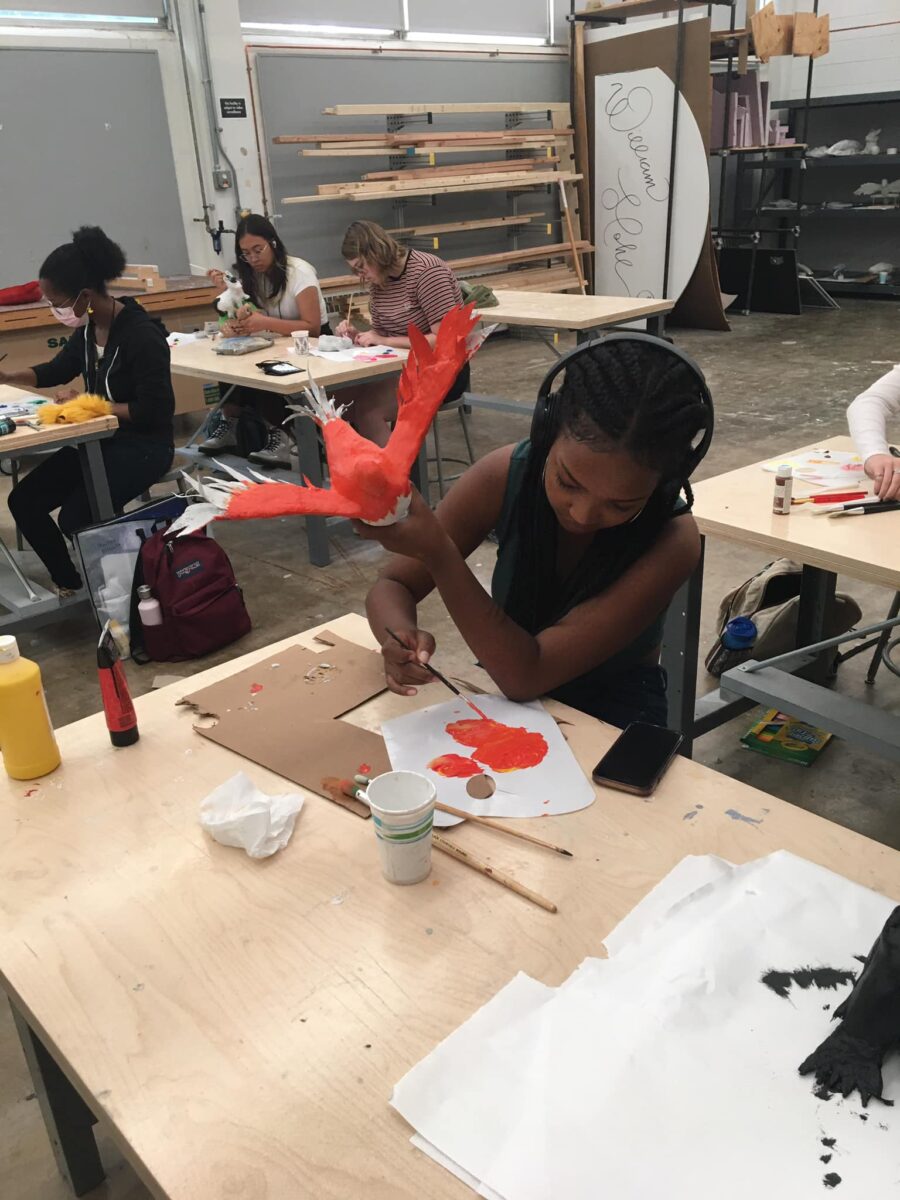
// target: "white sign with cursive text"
[[633, 140]]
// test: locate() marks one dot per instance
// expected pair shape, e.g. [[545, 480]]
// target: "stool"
[[173, 475], [461, 407]]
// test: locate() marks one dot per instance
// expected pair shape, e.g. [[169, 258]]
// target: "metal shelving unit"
[[868, 215]]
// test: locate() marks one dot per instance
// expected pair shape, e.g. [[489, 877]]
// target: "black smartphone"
[[276, 366], [638, 758]]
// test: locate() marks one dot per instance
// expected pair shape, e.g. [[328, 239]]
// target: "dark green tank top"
[[579, 692]]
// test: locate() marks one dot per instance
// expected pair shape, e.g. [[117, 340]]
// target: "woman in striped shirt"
[[406, 287]]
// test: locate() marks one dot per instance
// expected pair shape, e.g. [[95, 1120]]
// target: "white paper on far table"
[[556, 785]]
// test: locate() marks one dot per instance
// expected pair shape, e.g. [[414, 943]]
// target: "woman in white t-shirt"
[[868, 418], [286, 295]]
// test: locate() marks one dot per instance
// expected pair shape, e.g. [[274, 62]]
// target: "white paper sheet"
[[556, 785], [827, 468], [690, 875], [670, 1069], [355, 353]]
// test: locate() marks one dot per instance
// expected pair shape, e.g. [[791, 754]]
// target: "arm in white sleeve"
[[869, 413]]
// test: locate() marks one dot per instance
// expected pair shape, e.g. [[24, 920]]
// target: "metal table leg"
[[680, 652], [68, 1119], [93, 471], [310, 466], [657, 324], [816, 597]]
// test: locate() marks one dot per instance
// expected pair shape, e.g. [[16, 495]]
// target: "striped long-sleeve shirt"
[[421, 295]]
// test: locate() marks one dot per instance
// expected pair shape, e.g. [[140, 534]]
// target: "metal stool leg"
[[464, 421], [883, 641], [439, 461], [14, 475]]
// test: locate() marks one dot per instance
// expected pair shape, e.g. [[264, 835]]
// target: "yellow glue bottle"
[[26, 735]]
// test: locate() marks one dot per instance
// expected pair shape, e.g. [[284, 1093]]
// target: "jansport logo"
[[189, 569]]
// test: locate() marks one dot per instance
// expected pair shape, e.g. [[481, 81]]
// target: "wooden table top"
[[26, 439], [559, 310], [737, 506], [241, 1023], [200, 360]]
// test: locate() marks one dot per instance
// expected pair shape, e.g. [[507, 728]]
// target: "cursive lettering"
[[628, 111], [624, 227]]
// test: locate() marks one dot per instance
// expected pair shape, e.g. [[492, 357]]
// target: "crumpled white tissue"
[[237, 813]]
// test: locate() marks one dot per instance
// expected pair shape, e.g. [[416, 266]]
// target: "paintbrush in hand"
[[443, 678]]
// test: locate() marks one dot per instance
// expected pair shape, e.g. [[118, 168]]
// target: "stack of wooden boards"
[[524, 158]]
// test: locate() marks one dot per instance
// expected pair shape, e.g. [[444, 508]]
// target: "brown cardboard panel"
[[701, 303], [286, 717]]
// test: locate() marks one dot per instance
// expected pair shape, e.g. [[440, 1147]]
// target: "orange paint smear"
[[500, 747], [454, 766]]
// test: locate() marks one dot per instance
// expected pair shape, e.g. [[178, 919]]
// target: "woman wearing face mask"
[[286, 297], [122, 355]]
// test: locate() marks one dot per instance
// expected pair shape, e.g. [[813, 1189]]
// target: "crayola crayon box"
[[780, 736]]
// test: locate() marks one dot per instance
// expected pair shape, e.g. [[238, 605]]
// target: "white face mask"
[[66, 315]]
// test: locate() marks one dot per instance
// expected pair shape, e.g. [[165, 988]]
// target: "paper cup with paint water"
[[402, 804]]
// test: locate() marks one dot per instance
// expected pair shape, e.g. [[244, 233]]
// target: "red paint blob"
[[454, 766], [364, 769], [500, 747], [255, 687]]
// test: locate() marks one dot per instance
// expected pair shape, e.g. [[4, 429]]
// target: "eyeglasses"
[[250, 255]]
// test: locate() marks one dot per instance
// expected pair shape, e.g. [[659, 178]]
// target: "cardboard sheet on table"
[[556, 785], [285, 715], [671, 1069]]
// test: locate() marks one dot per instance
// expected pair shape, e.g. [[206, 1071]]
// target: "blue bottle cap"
[[739, 634]]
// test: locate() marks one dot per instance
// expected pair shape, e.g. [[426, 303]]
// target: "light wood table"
[[199, 360], [585, 315], [240, 1024], [29, 603], [737, 506]]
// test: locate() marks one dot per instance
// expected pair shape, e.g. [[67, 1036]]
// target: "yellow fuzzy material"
[[73, 412]]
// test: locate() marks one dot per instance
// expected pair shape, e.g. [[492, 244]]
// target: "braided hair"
[[628, 396]]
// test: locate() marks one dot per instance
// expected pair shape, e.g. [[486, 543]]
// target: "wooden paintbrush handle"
[[501, 828], [483, 868]]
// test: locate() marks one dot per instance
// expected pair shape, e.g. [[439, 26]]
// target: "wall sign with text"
[[236, 106], [633, 139]]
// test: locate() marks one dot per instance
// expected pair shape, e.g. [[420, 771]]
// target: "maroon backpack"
[[202, 606]]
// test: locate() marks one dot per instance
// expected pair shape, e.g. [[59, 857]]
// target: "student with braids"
[[594, 538], [120, 351]]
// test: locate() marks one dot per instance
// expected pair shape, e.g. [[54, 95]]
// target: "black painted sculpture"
[[851, 1057]]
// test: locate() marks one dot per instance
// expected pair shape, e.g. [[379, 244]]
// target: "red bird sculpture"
[[368, 482]]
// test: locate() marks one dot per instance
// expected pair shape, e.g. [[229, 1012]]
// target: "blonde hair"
[[366, 240]]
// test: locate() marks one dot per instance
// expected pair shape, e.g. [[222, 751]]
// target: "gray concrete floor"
[[778, 382]]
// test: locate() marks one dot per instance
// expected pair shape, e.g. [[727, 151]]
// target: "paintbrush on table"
[[470, 860], [353, 788], [443, 678]]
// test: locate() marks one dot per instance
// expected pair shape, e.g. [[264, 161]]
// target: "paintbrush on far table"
[[443, 678], [870, 504]]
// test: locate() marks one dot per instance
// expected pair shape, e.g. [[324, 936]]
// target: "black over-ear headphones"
[[545, 421]]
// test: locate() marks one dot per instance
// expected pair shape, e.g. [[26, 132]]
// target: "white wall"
[[864, 55], [230, 79]]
